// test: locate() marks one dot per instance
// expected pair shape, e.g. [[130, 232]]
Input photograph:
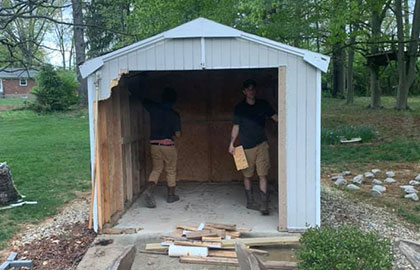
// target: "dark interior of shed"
[[206, 101]]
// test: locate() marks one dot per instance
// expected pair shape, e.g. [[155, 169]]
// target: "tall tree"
[[378, 10], [24, 25], [79, 47], [406, 64]]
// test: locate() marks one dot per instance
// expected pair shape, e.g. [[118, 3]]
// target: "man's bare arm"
[[235, 132]]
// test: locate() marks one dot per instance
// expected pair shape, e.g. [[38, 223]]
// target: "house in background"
[[16, 82]]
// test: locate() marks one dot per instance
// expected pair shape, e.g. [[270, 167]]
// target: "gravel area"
[[77, 211], [339, 208]]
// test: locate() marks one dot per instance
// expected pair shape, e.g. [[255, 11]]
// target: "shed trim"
[[204, 28]]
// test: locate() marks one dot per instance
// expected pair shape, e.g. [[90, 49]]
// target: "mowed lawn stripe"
[[49, 158]]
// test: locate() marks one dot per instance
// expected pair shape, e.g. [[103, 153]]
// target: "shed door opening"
[[206, 101]]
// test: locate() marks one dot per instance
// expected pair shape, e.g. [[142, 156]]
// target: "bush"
[[333, 136], [54, 90], [343, 248]]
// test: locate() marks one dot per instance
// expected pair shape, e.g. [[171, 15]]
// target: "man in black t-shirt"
[[164, 126], [249, 123]]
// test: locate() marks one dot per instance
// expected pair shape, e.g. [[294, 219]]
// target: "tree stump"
[[8, 192]]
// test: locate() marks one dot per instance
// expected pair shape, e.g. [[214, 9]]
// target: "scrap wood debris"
[[214, 243]]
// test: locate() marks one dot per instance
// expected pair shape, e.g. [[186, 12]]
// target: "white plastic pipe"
[[177, 251]]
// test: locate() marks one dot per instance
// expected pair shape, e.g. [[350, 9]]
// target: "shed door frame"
[[282, 159]]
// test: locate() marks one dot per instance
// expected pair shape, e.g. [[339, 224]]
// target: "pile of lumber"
[[214, 243]]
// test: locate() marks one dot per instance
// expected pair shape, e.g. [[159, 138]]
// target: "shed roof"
[[204, 28], [17, 73]]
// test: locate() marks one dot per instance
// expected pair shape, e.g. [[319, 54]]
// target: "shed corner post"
[[282, 158]]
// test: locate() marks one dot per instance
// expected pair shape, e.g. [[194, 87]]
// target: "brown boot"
[[264, 204], [171, 195], [150, 200], [250, 203]]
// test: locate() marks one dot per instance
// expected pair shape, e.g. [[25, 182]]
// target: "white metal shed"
[[184, 54]]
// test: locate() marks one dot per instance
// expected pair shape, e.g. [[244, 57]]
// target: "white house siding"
[[229, 53]]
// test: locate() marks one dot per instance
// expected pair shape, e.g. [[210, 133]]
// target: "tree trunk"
[[338, 70], [350, 86], [375, 91], [375, 95], [406, 65], [79, 47]]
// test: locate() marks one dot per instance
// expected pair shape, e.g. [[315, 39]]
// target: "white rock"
[[375, 193], [346, 173], [379, 188], [340, 182], [408, 189], [417, 177], [369, 175], [358, 179], [390, 180], [412, 196], [414, 183], [352, 187], [375, 171], [377, 182], [390, 174], [335, 177]]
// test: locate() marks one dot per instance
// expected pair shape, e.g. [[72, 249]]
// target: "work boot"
[[171, 195], [150, 199], [250, 203], [264, 204]]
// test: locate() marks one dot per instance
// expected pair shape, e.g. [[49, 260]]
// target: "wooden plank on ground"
[[187, 227], [280, 265], [233, 234], [227, 227], [156, 247], [263, 241], [200, 234], [199, 244], [211, 238], [222, 253]]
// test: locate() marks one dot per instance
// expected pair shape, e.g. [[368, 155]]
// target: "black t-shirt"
[[164, 121], [251, 121]]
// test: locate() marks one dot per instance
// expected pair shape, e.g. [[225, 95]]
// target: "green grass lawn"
[[13, 101], [396, 146], [397, 137], [49, 158]]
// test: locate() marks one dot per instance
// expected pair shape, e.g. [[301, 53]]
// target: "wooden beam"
[[263, 241], [282, 157]]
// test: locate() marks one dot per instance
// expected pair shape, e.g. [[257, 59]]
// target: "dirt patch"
[[9, 107], [63, 251]]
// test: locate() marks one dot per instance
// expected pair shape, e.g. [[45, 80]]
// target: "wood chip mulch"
[[62, 252]]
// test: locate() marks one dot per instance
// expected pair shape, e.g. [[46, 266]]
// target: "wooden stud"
[[282, 159]]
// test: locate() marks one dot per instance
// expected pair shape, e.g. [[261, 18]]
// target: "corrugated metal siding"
[[228, 53], [301, 143]]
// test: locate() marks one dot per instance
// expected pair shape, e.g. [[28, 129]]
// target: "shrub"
[[333, 136], [54, 90], [343, 248]]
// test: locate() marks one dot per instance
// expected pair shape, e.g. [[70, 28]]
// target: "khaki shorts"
[[259, 157], [164, 157]]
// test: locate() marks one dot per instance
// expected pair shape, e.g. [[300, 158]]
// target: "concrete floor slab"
[[200, 202]]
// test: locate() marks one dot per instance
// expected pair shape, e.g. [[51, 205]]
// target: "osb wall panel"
[[206, 100]]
